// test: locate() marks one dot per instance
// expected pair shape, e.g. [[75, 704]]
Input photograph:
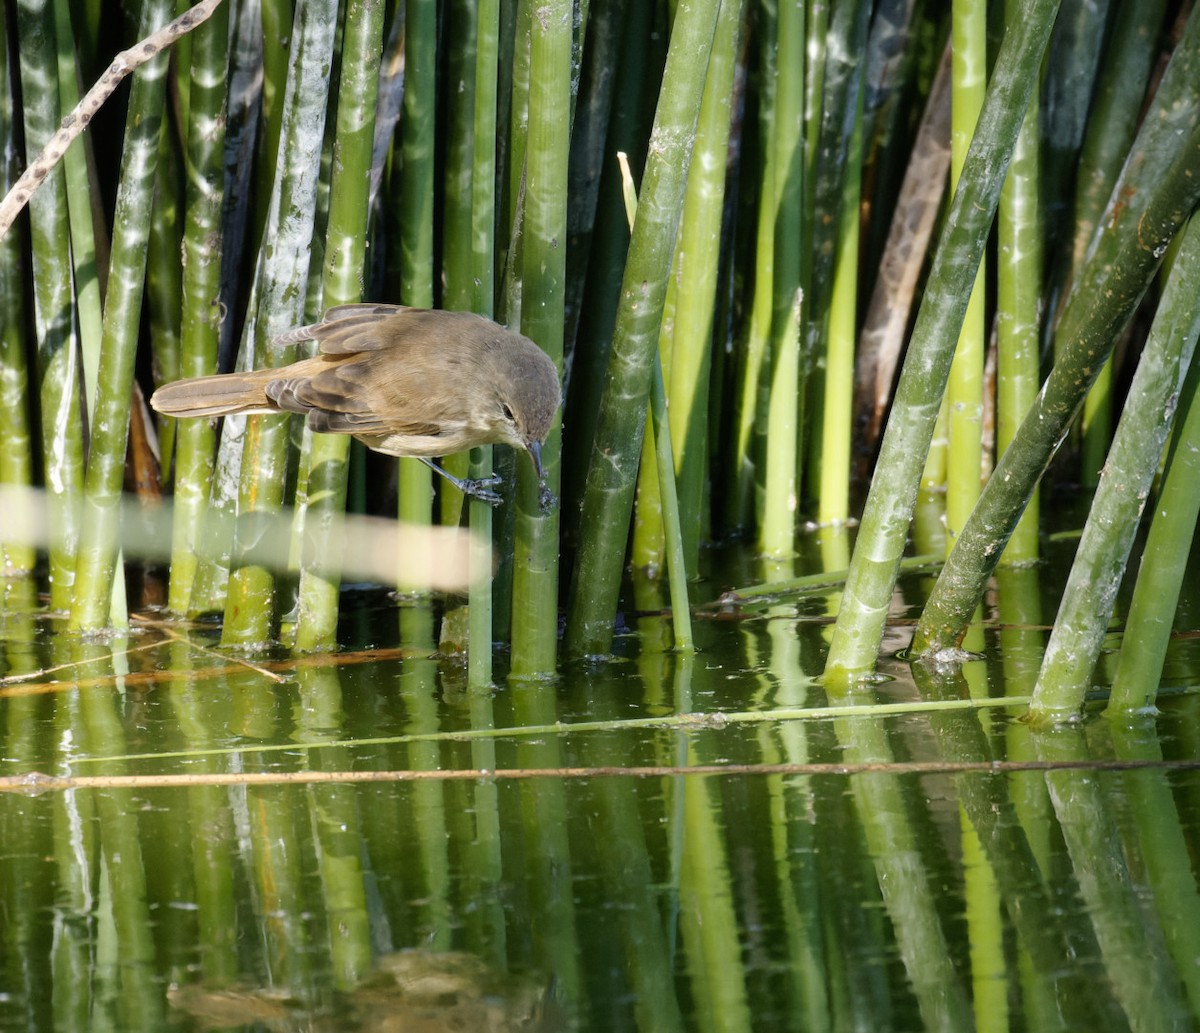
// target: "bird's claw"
[[478, 489]]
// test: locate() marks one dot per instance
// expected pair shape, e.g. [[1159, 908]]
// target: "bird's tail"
[[216, 396]]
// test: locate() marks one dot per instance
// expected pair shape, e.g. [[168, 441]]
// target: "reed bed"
[[285, 157]]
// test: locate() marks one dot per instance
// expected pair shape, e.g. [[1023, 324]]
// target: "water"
[[653, 843]]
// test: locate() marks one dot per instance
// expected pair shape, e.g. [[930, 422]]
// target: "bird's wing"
[[356, 396], [346, 329], [362, 423], [343, 329]]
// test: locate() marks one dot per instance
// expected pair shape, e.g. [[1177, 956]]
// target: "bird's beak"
[[534, 448]]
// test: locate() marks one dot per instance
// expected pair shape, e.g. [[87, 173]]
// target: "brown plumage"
[[404, 381]]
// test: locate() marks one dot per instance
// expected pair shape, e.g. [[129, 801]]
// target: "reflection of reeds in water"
[[829, 890]]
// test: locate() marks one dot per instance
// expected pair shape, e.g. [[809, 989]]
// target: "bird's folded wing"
[[345, 329]]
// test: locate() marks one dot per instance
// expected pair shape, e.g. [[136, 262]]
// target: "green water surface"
[[650, 842]]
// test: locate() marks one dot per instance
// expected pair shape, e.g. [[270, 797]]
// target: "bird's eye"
[[508, 413]]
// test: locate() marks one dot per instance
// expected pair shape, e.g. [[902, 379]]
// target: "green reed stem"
[[543, 287], [681, 615], [88, 255], [1018, 297], [612, 471], [639, 65], [458, 176], [832, 440], [90, 246], [57, 361], [964, 392], [278, 304], [591, 146], [16, 457], [481, 619], [695, 303], [95, 569], [273, 37], [164, 273], [201, 321], [459, 169], [792, 231], [893, 493], [415, 212], [1164, 564], [245, 99], [342, 283], [516, 72]]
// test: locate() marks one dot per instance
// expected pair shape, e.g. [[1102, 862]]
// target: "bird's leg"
[[476, 489]]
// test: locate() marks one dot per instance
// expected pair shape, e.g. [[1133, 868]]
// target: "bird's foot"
[[478, 488]]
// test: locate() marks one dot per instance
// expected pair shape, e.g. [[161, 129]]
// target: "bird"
[[404, 381]]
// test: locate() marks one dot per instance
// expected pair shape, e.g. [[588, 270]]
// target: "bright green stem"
[[275, 36], [459, 167], [278, 304], [681, 615], [1018, 293], [345, 258], [1156, 194], [96, 563], [834, 454], [251, 101], [1164, 565], [415, 217], [964, 409], [784, 409], [164, 273], [16, 458], [458, 174], [543, 265], [612, 471], [201, 326], [57, 357], [893, 494], [416, 147], [82, 190], [1091, 590], [699, 246], [483, 279]]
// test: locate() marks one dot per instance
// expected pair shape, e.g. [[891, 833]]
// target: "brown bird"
[[404, 381]]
